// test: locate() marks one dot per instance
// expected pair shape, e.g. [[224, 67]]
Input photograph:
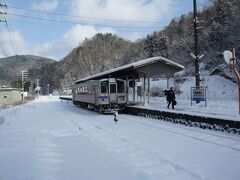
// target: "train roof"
[[137, 69]]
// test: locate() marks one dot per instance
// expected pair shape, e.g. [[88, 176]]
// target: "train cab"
[[112, 92]]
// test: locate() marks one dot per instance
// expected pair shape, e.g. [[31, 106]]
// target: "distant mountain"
[[11, 67]]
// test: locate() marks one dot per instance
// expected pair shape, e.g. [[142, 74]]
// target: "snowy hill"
[[218, 88], [11, 67]]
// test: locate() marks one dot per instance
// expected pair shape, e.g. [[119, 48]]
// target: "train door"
[[121, 92], [113, 92], [104, 92]]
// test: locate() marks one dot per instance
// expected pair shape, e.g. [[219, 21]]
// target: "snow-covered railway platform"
[[50, 139], [205, 121]]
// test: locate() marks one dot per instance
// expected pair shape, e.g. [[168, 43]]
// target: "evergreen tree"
[[156, 45]]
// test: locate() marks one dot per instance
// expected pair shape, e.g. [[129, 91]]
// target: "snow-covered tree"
[[156, 45]]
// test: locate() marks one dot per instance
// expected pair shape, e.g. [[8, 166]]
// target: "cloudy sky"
[[52, 28]]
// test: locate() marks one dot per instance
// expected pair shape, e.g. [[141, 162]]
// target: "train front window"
[[113, 88], [120, 86], [104, 87]]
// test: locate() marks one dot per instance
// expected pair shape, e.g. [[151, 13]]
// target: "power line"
[[9, 32], [3, 47], [41, 24], [48, 25], [70, 22], [89, 18]]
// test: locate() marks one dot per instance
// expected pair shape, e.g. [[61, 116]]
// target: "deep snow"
[[222, 98], [50, 139]]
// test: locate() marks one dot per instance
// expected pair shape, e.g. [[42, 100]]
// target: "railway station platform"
[[221, 117], [205, 119]]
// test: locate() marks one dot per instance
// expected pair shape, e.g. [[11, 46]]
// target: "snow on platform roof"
[[132, 67]]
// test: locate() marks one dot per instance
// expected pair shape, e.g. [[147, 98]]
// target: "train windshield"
[[113, 88], [104, 87], [120, 86]]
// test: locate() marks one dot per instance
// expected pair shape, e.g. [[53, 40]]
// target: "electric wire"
[[89, 18], [3, 49], [9, 32], [48, 25], [3, 46], [71, 22]]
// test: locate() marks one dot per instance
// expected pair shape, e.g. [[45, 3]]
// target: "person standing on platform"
[[171, 98]]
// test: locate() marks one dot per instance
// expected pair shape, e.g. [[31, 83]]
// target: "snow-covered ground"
[[52, 140], [222, 98]]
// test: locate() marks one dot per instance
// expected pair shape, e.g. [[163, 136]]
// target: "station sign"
[[198, 94]]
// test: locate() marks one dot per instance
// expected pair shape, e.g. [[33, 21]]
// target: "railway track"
[[202, 122]]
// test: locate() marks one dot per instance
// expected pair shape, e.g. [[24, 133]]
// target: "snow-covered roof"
[[135, 65]]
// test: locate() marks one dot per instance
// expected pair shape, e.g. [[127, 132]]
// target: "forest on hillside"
[[219, 26]]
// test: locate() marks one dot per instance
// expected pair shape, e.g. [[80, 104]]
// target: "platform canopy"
[[150, 67]]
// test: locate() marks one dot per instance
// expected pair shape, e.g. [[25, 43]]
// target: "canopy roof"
[[150, 67]]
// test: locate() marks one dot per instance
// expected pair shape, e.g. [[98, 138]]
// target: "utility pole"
[[24, 76], [3, 19], [2, 6], [197, 73]]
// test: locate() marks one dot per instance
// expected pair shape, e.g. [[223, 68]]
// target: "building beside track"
[[10, 96], [141, 70]]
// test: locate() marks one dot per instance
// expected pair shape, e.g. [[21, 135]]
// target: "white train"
[[105, 95]]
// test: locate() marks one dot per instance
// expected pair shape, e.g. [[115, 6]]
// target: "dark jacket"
[[170, 95]]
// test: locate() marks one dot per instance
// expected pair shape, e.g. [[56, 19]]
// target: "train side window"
[[120, 86], [91, 89], [95, 89], [104, 87], [88, 90]]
